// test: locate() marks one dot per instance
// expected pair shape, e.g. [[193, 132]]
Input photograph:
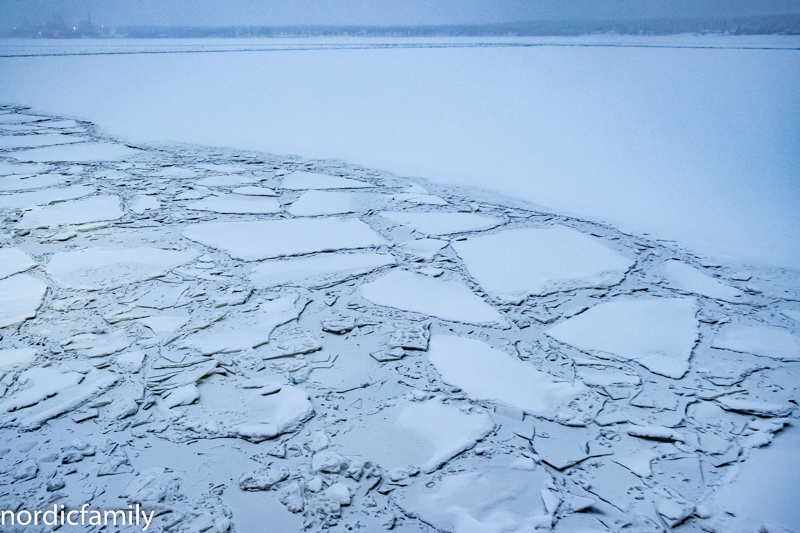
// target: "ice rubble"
[[94, 209], [106, 268], [251, 241], [658, 333], [20, 297], [378, 387], [442, 223], [314, 180], [90, 151], [488, 374], [321, 270], [444, 299], [510, 265]]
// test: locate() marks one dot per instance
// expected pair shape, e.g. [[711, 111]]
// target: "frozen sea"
[[688, 138], [420, 285]]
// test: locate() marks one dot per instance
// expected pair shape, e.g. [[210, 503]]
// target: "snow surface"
[[444, 299], [510, 265], [658, 333], [252, 241]]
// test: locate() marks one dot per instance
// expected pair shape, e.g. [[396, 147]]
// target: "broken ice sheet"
[[503, 496], [236, 204], [689, 279], [244, 331], [14, 261], [759, 339], [20, 298], [488, 374], [423, 434], [441, 223], [107, 268], [444, 299], [251, 241], [90, 151], [322, 270], [94, 209], [313, 180], [510, 265], [658, 333]]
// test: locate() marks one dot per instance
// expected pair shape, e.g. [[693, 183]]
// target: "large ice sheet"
[[105, 268], [236, 204], [14, 260], [247, 331], [226, 181], [93, 151], [94, 209], [317, 271], [484, 373], [22, 200], [422, 434], [313, 203], [689, 279], [503, 497], [35, 141], [510, 265], [758, 339], [314, 180], [442, 223], [658, 333], [20, 297], [252, 241], [444, 299]]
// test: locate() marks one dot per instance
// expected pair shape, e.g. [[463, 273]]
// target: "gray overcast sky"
[[371, 12]]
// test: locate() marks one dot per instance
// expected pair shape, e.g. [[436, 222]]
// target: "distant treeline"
[[754, 25]]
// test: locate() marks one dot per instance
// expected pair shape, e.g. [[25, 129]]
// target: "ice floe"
[[90, 151], [444, 299], [226, 181], [758, 339], [20, 298], [313, 180], [317, 271], [252, 241], [658, 333], [254, 191], [691, 280], [315, 203], [94, 209], [484, 373], [510, 265], [35, 141], [442, 223], [13, 261], [24, 200], [236, 204], [106, 268]]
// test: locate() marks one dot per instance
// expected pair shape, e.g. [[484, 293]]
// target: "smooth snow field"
[[698, 144], [422, 286]]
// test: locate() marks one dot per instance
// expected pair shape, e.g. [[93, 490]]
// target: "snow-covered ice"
[[317, 271], [758, 339], [315, 203], [510, 265], [35, 141], [94, 209], [236, 204], [691, 280], [25, 200], [442, 223], [95, 151], [13, 261], [20, 297], [315, 180]]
